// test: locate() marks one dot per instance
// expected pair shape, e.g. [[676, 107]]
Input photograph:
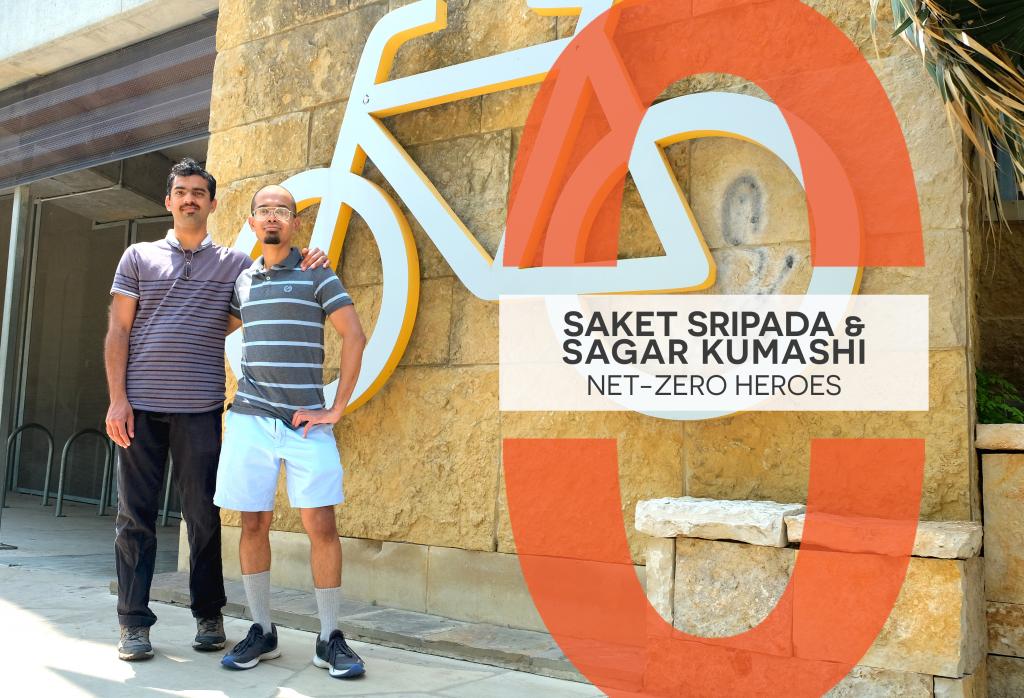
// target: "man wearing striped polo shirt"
[[279, 414], [164, 354]]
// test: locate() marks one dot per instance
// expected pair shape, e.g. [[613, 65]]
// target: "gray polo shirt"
[[283, 311], [176, 346]]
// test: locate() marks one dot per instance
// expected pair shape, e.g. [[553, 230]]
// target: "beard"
[[272, 239]]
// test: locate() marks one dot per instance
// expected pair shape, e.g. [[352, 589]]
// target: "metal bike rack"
[[10, 457], [167, 490], [64, 463], [107, 486]]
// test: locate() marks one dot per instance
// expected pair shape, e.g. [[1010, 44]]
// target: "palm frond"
[[974, 50]]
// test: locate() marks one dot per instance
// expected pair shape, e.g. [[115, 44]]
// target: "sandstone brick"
[[935, 152], [385, 573], [742, 194], [1005, 677], [650, 452], [999, 437], [439, 123], [942, 279], [432, 479], [241, 21], [755, 522], [777, 269], [974, 685], [324, 124], [474, 328], [1003, 483], [936, 626], [476, 191], [473, 175], [310, 65], [360, 256], [429, 344], [566, 26], [853, 19], [1005, 628], [274, 145], [637, 236], [432, 263], [508, 108], [660, 565], [472, 32], [723, 589], [866, 682], [480, 587], [941, 539], [713, 82], [766, 455]]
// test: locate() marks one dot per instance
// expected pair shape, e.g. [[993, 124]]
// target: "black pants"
[[194, 442]]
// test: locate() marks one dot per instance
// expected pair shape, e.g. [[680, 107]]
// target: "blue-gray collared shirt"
[[283, 311]]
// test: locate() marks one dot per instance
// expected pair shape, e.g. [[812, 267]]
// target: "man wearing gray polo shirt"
[[279, 414], [164, 354]]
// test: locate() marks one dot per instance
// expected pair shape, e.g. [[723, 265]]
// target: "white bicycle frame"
[[341, 188]]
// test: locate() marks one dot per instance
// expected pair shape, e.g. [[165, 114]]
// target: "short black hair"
[[187, 168], [252, 201]]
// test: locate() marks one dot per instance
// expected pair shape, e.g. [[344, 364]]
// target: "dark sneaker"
[[337, 657], [257, 645], [209, 634], [134, 644]]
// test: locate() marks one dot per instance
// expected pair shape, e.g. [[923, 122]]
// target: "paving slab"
[[509, 648], [74, 617]]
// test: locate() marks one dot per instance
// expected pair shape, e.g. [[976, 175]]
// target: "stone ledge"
[[999, 437], [509, 648], [949, 540], [757, 523]]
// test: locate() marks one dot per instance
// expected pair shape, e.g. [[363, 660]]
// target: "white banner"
[[696, 356]]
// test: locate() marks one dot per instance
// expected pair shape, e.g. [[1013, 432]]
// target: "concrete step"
[[509, 648]]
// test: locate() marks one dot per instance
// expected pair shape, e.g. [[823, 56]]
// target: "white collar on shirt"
[[172, 240]]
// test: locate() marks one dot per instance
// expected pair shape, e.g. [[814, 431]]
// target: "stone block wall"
[[1003, 478], [706, 583], [423, 457]]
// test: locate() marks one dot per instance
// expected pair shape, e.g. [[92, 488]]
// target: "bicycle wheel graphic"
[[399, 267]]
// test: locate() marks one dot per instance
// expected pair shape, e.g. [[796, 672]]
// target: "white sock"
[[257, 591], [328, 606]]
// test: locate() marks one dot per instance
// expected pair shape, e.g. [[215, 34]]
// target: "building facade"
[[425, 523]]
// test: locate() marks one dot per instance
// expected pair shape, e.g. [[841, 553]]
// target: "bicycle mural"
[[340, 188]]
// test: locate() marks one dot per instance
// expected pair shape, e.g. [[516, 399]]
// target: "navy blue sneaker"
[[257, 645], [337, 657]]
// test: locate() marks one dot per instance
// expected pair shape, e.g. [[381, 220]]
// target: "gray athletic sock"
[[257, 591], [328, 606]]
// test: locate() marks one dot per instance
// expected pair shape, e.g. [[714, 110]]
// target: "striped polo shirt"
[[176, 346], [283, 311]]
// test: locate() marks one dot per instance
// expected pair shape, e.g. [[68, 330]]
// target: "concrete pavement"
[[61, 631]]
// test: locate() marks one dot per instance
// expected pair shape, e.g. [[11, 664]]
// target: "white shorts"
[[250, 460]]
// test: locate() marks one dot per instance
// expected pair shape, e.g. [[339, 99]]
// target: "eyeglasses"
[[281, 213]]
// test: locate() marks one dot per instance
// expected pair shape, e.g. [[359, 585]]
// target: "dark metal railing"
[[10, 457], [64, 466]]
